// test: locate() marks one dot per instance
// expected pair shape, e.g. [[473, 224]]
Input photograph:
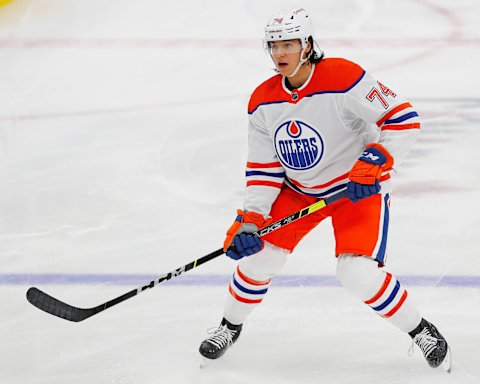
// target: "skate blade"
[[447, 362]]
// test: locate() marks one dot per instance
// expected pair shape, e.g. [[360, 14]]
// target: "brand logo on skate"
[[298, 145]]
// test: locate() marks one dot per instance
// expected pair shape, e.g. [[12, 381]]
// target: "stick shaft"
[[69, 312]]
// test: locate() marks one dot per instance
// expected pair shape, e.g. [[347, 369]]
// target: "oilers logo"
[[298, 145]]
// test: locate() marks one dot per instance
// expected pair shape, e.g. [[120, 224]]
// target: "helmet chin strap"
[[300, 63]]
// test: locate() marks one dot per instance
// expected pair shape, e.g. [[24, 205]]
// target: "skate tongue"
[[425, 341]]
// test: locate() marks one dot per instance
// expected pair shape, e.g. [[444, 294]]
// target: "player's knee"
[[265, 264], [360, 275]]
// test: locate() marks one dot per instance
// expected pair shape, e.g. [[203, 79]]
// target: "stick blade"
[[55, 307]]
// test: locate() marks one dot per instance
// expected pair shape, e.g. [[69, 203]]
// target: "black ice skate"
[[221, 339], [433, 345]]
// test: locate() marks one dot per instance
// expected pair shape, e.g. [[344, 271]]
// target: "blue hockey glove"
[[245, 244], [240, 241]]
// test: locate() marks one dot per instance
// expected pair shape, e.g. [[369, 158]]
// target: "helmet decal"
[[289, 25]]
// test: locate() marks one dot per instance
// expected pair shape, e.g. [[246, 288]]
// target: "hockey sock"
[[250, 282], [379, 289]]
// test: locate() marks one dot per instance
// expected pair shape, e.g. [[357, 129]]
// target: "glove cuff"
[[254, 218], [245, 222], [376, 153]]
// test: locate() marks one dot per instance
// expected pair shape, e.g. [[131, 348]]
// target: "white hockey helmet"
[[289, 25]]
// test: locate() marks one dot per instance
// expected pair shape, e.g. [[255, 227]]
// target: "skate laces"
[[425, 341], [221, 336]]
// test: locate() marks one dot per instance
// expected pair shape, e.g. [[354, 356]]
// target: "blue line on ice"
[[217, 279]]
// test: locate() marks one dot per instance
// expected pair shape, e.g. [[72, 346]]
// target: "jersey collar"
[[297, 93]]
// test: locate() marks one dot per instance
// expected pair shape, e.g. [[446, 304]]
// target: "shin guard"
[[379, 289], [250, 282]]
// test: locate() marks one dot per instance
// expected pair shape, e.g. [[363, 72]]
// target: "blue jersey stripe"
[[319, 195], [340, 91], [313, 94], [267, 103], [402, 118], [262, 173]]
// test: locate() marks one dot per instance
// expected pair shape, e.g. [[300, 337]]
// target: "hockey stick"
[[58, 308]]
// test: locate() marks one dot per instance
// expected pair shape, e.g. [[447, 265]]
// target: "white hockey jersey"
[[309, 138]]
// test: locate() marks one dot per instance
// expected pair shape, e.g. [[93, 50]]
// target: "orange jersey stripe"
[[241, 299], [397, 307], [398, 127], [264, 183], [392, 112], [382, 289], [263, 165], [321, 185], [330, 75], [382, 178]]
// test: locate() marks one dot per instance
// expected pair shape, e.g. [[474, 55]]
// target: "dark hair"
[[314, 57]]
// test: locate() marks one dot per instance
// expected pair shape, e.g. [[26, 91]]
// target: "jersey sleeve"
[[264, 173], [394, 117]]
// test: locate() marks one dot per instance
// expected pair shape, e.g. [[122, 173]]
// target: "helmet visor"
[[284, 47]]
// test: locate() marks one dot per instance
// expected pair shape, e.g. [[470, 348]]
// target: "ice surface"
[[122, 147]]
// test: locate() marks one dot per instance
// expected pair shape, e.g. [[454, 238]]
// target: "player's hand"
[[367, 170], [241, 236]]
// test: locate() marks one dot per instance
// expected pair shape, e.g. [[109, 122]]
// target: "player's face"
[[286, 55]]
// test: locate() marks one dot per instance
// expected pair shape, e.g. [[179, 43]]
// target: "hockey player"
[[317, 127]]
